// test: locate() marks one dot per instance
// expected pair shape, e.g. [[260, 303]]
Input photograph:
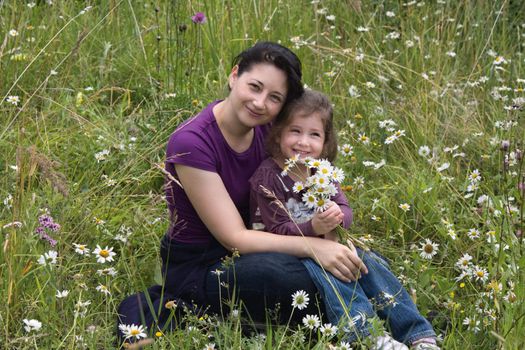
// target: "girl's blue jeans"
[[351, 304]]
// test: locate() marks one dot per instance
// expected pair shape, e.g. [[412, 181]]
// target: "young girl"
[[305, 128]]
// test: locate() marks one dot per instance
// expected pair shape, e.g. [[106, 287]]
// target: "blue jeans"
[[351, 304]]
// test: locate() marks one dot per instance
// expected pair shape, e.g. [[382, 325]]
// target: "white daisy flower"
[[344, 346], [499, 60], [14, 100], [110, 271], [32, 325], [103, 289], [321, 204], [480, 273], [404, 206], [104, 255], [81, 249], [298, 187], [311, 322], [300, 299], [473, 233], [472, 324], [363, 138], [102, 155], [338, 175], [62, 293], [474, 176], [133, 330], [353, 91], [328, 330], [346, 150], [309, 199], [48, 258], [443, 167], [325, 168], [428, 249], [464, 262]]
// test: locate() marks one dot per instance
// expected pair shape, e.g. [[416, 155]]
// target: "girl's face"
[[303, 136], [258, 94]]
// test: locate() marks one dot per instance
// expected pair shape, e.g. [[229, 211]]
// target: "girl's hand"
[[342, 261], [328, 220]]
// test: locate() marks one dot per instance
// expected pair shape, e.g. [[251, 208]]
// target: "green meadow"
[[429, 100]]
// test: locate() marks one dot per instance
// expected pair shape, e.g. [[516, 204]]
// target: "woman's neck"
[[238, 136]]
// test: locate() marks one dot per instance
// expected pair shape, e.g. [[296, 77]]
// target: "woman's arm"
[[216, 209]]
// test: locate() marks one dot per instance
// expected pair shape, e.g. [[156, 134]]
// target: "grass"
[[89, 97]]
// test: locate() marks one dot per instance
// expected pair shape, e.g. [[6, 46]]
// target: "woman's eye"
[[276, 99], [255, 87]]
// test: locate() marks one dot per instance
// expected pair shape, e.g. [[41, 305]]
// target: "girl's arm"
[[341, 200], [274, 214], [216, 209]]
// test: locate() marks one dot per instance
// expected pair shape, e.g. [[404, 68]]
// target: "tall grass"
[[89, 96]]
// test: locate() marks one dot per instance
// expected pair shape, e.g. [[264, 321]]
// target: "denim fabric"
[[262, 281], [377, 293]]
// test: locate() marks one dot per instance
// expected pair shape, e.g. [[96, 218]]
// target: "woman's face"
[[258, 94]]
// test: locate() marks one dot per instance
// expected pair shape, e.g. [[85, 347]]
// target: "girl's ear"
[[233, 76]]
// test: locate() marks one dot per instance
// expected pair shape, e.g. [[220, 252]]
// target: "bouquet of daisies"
[[319, 186]]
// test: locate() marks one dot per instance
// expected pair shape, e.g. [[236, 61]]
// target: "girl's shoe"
[[425, 346], [386, 342]]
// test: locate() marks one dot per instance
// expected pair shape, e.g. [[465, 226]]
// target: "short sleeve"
[[188, 147]]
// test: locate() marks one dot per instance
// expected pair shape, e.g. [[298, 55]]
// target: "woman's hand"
[[328, 220], [332, 236], [342, 261]]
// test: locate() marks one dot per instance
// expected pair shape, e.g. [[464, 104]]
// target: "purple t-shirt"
[[199, 143]]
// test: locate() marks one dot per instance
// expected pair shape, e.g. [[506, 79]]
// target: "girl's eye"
[[316, 134], [255, 87]]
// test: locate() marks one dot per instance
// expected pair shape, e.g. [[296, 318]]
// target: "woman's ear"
[[233, 76]]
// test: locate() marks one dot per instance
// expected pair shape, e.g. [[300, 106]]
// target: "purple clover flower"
[[45, 220], [47, 223], [50, 240], [198, 18], [54, 227]]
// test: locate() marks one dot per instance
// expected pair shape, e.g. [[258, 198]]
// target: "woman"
[[211, 157]]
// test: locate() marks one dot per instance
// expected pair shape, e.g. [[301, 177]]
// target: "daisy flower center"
[[104, 253], [428, 248]]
